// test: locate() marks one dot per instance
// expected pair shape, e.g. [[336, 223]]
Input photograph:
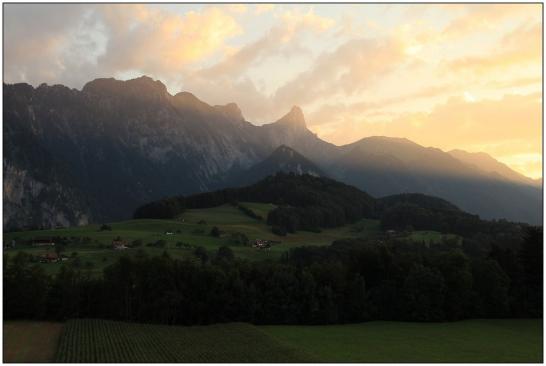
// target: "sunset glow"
[[450, 76]]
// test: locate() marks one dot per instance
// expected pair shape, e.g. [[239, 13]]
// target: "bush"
[[278, 230], [202, 254], [215, 232], [239, 238], [105, 227], [225, 253]]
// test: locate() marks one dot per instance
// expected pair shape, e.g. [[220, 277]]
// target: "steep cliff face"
[[73, 156], [33, 203]]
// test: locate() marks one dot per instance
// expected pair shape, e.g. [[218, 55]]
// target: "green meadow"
[[94, 247], [94, 251], [91, 340], [468, 341]]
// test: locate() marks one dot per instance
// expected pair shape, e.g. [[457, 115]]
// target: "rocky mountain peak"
[[148, 83], [143, 85], [231, 110], [295, 117], [188, 101]]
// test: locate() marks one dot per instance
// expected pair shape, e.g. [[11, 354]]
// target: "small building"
[[169, 233], [261, 244], [119, 244], [49, 258], [43, 242], [8, 245]]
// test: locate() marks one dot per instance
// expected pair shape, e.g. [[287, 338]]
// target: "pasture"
[[94, 251], [468, 341], [432, 237]]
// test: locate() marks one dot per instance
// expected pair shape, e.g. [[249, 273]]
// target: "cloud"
[[352, 67], [356, 71], [517, 48], [38, 40], [483, 125], [481, 18], [263, 8], [229, 77], [294, 21], [328, 112], [529, 164], [237, 8], [162, 43], [75, 43]]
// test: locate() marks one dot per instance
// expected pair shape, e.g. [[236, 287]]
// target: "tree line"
[[422, 212], [305, 202], [311, 203], [350, 281]]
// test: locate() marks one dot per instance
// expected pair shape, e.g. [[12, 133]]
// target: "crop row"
[[92, 341]]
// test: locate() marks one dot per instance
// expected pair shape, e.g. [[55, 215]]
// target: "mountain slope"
[[283, 159], [384, 166], [117, 144], [72, 157], [306, 202], [487, 163]]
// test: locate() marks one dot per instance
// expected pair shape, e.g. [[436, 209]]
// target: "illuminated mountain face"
[[72, 156]]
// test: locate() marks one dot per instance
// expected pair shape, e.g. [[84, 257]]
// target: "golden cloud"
[[160, 42], [518, 48], [263, 8], [483, 125]]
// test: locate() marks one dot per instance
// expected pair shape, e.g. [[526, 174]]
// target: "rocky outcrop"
[[72, 157]]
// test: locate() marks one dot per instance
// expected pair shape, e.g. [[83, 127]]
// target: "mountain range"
[[72, 157]]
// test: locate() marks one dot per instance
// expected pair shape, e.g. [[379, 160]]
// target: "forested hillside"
[[349, 281], [73, 157], [307, 202]]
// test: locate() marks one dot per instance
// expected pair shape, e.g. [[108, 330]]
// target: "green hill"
[[305, 202], [192, 228]]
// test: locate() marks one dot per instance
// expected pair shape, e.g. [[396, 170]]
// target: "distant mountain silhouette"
[[487, 163], [384, 166], [283, 159], [73, 157]]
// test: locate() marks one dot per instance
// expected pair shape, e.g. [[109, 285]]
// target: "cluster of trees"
[[167, 208], [349, 281], [305, 202], [421, 212], [310, 203]]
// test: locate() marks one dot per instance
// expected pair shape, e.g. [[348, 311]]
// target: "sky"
[[451, 76]]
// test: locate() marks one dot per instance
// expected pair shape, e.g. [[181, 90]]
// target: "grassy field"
[[94, 252], [93, 247], [30, 342], [431, 237], [511, 340], [104, 341]]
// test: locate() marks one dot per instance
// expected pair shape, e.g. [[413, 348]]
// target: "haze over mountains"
[[73, 157]]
